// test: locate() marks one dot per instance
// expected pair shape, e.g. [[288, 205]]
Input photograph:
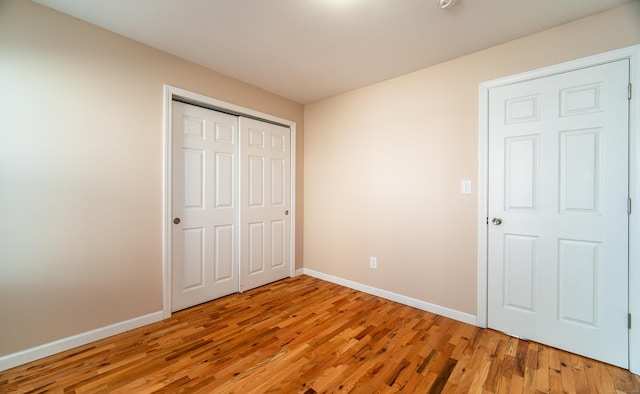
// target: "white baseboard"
[[425, 306], [48, 349]]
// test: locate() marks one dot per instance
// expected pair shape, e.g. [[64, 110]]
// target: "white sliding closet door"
[[231, 194], [265, 193], [204, 205]]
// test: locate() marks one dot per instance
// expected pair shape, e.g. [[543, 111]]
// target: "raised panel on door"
[[519, 272], [256, 246], [256, 181], [193, 175], [265, 197], [521, 178], [580, 171], [190, 273], [278, 244], [578, 282], [205, 200], [224, 180], [225, 254], [558, 180]]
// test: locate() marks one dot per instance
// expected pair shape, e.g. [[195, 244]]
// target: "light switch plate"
[[465, 187]]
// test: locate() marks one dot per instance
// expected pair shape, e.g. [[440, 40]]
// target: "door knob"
[[286, 212], [497, 221], [176, 220]]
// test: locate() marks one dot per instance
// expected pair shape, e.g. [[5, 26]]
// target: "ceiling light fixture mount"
[[446, 3]]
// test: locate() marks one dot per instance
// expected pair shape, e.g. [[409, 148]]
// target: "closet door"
[[265, 193], [204, 256]]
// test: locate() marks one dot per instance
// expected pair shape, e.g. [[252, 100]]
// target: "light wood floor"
[[303, 335]]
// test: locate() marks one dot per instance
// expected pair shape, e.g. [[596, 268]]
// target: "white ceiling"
[[307, 50]]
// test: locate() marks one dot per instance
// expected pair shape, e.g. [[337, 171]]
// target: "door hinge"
[[487, 220], [629, 95], [628, 206], [629, 321]]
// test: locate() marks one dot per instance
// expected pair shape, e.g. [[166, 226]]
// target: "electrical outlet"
[[373, 262]]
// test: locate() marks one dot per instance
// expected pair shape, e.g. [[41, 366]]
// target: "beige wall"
[[383, 165], [81, 172]]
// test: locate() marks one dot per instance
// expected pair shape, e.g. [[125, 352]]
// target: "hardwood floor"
[[304, 335]]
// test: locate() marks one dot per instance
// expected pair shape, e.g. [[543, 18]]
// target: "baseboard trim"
[[51, 348], [425, 306]]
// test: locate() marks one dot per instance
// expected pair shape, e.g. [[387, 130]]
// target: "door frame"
[[633, 54], [171, 93]]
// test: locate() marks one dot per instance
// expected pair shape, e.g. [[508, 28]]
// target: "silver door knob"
[[497, 221], [176, 220]]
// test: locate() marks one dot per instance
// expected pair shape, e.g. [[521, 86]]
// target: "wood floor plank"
[[555, 376], [305, 335], [542, 371]]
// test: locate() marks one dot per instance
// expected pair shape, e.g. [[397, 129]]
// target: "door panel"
[[520, 268], [256, 249], [224, 247], [579, 171], [265, 198], [204, 195], [224, 181], [278, 243], [521, 162], [191, 267], [256, 181], [578, 281], [558, 179]]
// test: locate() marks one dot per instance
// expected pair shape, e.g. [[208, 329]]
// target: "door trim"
[[633, 54], [171, 93]]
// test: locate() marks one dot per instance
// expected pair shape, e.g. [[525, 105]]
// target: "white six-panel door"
[[204, 205], [265, 200], [558, 189]]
